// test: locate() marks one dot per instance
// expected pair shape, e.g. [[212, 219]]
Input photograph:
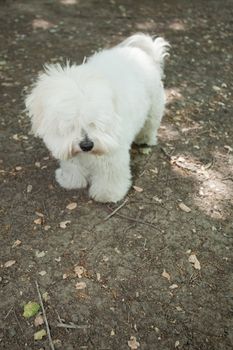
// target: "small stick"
[[71, 325], [45, 318], [138, 221], [18, 322], [116, 210], [166, 154], [60, 320], [8, 313]]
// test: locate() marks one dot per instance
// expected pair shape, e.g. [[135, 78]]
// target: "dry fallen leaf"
[[40, 254], [166, 275], [42, 273], [178, 308], [39, 214], [9, 263], [38, 320], [157, 199], [40, 334], [29, 188], [38, 221], [229, 148], [173, 286], [80, 285], [193, 260], [133, 343], [71, 206], [45, 296], [47, 227], [177, 343], [137, 189], [154, 171], [37, 164], [64, 224], [79, 270], [16, 243], [184, 207]]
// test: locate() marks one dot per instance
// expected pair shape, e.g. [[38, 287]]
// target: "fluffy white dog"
[[89, 115]]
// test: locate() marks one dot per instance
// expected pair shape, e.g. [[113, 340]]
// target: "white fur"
[[115, 98]]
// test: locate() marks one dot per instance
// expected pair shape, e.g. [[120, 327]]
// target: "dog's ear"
[[34, 107]]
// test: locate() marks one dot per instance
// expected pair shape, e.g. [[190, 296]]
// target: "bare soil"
[[139, 281]]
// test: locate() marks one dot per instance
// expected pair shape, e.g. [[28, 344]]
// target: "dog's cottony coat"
[[89, 115]]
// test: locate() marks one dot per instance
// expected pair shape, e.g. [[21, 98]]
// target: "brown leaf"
[[29, 188], [64, 224], [80, 285], [193, 260], [38, 221], [37, 164], [137, 189], [9, 263], [79, 270], [184, 207], [46, 296], [38, 320], [39, 214], [42, 273], [40, 254], [166, 275], [173, 286], [16, 243], [71, 206], [133, 343]]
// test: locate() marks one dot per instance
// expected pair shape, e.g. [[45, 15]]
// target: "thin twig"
[[8, 313], [138, 221], [16, 317], [116, 210], [60, 320], [45, 318], [71, 325], [167, 154]]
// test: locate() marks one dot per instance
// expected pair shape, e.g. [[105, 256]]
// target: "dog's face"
[[72, 110]]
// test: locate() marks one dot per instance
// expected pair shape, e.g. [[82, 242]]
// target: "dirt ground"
[[125, 281]]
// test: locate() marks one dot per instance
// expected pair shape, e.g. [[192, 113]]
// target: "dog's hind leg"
[[148, 134]]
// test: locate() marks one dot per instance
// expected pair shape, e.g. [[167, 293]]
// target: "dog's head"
[[72, 110]]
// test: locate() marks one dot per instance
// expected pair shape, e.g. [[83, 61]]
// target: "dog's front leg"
[[112, 178], [71, 175]]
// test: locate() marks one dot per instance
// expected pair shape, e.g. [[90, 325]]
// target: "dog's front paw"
[[70, 180], [105, 194], [149, 140], [105, 197]]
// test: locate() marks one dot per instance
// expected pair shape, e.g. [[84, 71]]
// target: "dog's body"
[[89, 115]]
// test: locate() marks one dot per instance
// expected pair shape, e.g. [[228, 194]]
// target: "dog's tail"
[[155, 47]]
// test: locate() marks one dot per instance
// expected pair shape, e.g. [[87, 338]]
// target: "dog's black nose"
[[86, 145]]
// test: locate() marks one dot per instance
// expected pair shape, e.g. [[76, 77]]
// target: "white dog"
[[89, 115]]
